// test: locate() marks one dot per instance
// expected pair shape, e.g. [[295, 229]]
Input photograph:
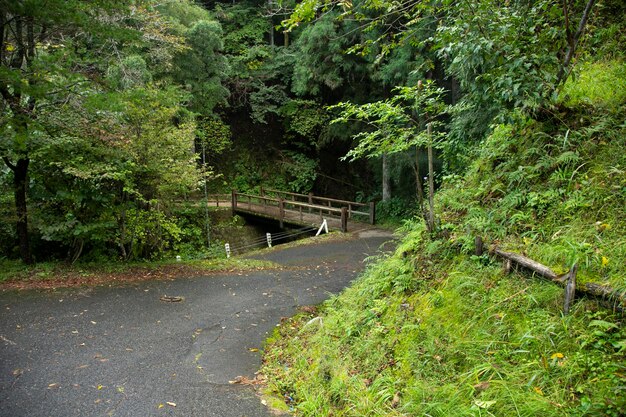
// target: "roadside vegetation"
[[437, 329], [452, 336], [476, 121]]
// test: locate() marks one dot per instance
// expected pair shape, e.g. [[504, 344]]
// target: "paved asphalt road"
[[122, 352]]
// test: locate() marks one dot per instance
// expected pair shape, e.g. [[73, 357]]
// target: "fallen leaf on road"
[[171, 404], [53, 385], [172, 299], [160, 406], [253, 349], [247, 381]]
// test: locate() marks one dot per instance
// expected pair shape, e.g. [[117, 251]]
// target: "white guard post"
[[227, 246], [324, 226], [269, 239]]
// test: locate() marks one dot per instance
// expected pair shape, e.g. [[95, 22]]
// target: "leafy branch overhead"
[[396, 124]]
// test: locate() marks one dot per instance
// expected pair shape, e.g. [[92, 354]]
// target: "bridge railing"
[[365, 210], [285, 210], [219, 200]]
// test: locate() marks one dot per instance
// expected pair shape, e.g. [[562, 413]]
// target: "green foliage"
[[492, 51], [244, 25], [256, 77], [412, 337], [554, 191], [130, 73], [300, 171], [103, 140], [599, 84], [395, 209], [434, 329], [266, 101], [396, 124], [214, 135], [148, 233], [606, 34], [321, 63], [305, 122], [201, 68], [182, 14]]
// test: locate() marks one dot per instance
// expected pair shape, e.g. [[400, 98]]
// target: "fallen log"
[[528, 263], [607, 294]]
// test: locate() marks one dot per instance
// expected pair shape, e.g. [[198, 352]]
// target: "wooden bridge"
[[301, 209]]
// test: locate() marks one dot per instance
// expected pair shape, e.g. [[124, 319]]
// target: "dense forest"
[[498, 124], [114, 112]]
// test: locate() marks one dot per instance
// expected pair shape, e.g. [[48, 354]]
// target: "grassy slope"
[[433, 330]]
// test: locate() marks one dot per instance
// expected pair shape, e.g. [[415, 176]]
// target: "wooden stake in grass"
[[570, 288]]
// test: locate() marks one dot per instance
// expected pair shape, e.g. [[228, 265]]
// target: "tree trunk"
[[20, 184], [573, 44], [431, 184], [386, 179]]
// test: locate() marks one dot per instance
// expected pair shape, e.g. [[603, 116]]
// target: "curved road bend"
[[121, 351]]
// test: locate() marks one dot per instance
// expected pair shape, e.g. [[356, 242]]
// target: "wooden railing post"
[[372, 212], [344, 219], [233, 200], [281, 212], [310, 201]]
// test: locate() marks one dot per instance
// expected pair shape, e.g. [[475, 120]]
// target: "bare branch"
[[8, 163], [571, 48]]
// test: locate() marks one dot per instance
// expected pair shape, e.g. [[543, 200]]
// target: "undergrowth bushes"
[[449, 338], [554, 190], [437, 331]]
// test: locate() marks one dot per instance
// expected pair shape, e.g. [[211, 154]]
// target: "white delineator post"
[[227, 247], [323, 226], [269, 239]]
